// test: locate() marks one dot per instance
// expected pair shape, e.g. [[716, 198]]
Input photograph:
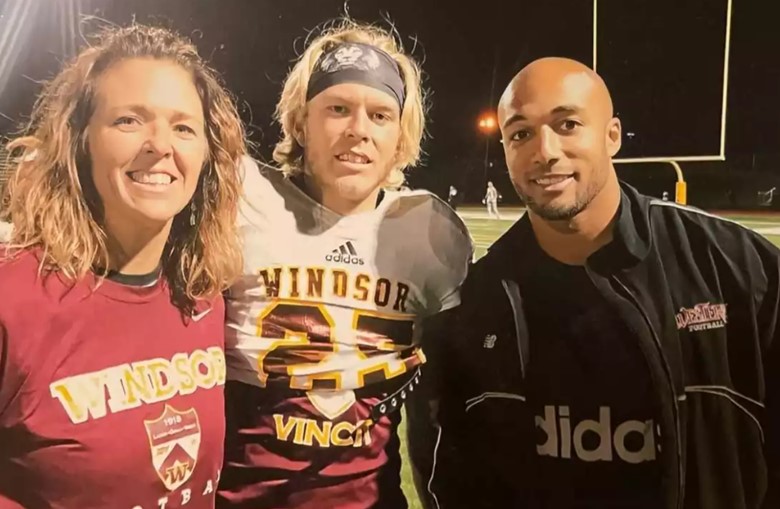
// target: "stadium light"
[[15, 26], [487, 123]]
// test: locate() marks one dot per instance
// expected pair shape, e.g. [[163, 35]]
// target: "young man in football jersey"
[[340, 270], [123, 202]]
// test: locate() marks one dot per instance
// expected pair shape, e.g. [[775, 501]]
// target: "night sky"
[[662, 60]]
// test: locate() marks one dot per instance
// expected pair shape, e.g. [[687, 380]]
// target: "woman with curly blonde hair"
[[123, 203], [340, 269]]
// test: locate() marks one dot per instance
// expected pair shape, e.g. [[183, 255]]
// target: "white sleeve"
[[5, 232], [453, 250], [257, 190]]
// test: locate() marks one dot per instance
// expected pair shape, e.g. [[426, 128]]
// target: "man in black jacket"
[[611, 350]]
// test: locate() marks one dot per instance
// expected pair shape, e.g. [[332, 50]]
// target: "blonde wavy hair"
[[291, 108], [51, 198]]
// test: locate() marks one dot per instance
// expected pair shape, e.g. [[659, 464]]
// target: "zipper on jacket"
[[668, 373], [521, 331]]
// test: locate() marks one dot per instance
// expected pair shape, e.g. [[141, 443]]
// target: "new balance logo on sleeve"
[[490, 341], [345, 253]]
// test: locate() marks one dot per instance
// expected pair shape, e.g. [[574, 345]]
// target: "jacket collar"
[[630, 244]]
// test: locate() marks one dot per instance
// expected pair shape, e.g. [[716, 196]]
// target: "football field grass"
[[484, 231]]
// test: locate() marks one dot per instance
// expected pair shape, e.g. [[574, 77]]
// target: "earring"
[[192, 213]]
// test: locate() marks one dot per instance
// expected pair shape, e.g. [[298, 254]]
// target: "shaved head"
[[552, 72], [559, 135]]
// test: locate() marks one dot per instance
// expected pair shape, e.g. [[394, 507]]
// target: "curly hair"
[[291, 108], [51, 198]]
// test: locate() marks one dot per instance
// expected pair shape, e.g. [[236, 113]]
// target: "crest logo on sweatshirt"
[[174, 438]]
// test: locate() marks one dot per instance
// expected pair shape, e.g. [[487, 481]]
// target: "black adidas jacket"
[[716, 370]]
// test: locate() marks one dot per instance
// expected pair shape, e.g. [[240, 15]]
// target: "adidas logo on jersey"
[[345, 253]]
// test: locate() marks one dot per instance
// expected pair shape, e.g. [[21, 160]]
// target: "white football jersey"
[[334, 303]]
